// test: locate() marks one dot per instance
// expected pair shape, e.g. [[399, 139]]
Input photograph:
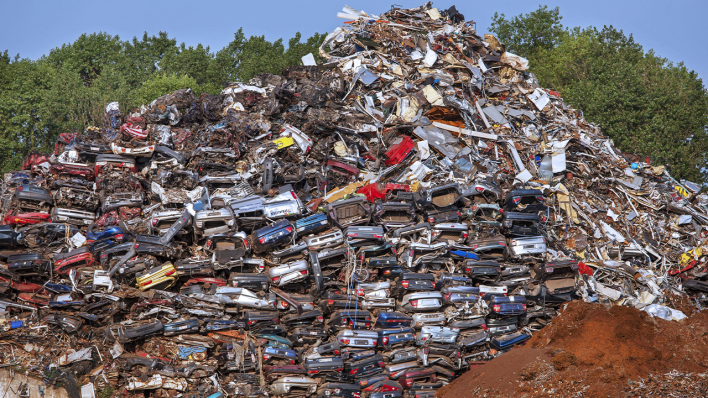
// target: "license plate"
[[430, 317], [313, 333], [426, 302], [361, 342], [529, 246]]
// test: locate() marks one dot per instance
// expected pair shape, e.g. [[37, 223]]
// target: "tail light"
[[447, 296], [284, 304], [516, 199], [458, 214], [485, 327], [405, 284], [375, 342], [354, 371], [276, 279], [474, 208], [293, 193], [265, 356], [464, 235], [313, 372], [320, 319], [360, 292], [146, 283], [154, 222], [168, 273], [381, 365], [289, 229], [19, 188], [431, 219], [387, 272], [344, 341], [245, 243], [502, 243], [262, 240], [208, 244], [414, 303], [387, 388], [253, 322], [496, 308], [304, 272], [119, 236], [352, 234], [539, 198], [523, 306], [378, 236], [479, 189], [408, 382], [292, 362], [330, 302], [384, 341]]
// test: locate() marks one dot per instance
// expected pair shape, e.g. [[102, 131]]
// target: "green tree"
[[161, 84], [143, 56], [89, 54], [646, 104], [524, 35], [194, 62], [21, 127]]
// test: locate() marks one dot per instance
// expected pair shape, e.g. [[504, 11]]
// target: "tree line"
[[67, 89]]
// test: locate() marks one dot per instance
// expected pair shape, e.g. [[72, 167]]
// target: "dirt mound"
[[590, 351]]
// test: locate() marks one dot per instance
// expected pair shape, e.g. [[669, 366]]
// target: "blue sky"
[[675, 30]]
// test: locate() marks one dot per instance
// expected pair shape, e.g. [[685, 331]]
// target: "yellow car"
[[164, 275]]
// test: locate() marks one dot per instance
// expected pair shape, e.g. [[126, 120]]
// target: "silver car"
[[212, 222], [327, 239], [422, 301], [435, 318], [288, 273], [71, 216], [436, 334], [524, 246], [358, 338], [292, 384]]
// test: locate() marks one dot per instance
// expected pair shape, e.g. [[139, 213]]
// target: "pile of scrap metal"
[[372, 225]]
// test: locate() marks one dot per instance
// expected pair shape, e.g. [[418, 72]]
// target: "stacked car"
[[328, 231]]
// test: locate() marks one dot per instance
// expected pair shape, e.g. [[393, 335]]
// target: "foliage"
[[524, 35], [67, 89], [646, 104], [160, 84]]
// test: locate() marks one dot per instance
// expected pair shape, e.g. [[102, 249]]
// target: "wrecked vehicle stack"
[[407, 209]]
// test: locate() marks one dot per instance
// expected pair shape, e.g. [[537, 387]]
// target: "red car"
[[382, 191], [81, 257], [73, 170], [13, 217]]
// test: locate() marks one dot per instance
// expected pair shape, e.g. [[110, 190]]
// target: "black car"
[[31, 197], [411, 282], [525, 201]]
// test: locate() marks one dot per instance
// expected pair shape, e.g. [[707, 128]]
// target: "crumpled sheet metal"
[[514, 193]]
